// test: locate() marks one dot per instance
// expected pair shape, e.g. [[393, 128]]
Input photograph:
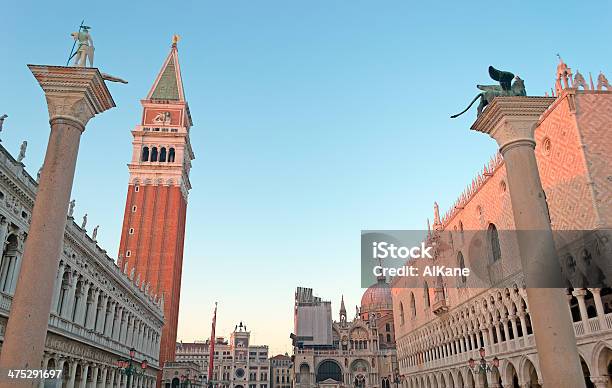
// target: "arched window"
[[494, 243], [426, 294], [145, 154], [401, 313], [461, 263], [461, 232], [162, 154], [171, 155], [154, 154], [329, 370], [412, 305]]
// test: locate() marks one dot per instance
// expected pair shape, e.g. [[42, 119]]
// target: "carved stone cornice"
[[512, 120], [73, 93]]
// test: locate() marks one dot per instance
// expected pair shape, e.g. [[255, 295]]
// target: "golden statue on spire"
[[175, 39]]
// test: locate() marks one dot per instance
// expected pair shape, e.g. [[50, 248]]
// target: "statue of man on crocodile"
[[509, 85]]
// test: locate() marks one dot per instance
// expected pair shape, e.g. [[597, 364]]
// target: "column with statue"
[[511, 118], [74, 95]]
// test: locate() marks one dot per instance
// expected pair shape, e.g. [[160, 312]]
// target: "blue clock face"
[[239, 373]]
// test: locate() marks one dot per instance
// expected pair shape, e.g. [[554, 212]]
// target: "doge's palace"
[[443, 323]]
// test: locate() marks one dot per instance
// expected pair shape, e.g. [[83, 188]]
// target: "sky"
[[312, 119]]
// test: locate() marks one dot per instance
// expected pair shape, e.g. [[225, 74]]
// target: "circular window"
[[546, 146], [239, 372]]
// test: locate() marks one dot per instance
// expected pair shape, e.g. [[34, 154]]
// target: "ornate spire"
[[169, 84], [342, 310]]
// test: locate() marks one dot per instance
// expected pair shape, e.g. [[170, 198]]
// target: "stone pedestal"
[[74, 95], [511, 121]]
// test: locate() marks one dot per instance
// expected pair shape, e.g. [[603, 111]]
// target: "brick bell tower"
[[153, 232]]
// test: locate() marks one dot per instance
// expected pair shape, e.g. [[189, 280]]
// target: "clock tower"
[[153, 232]]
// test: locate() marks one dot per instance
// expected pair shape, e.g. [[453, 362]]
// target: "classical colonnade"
[[81, 301]]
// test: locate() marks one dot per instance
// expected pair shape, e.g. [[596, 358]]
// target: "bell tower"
[[153, 232]]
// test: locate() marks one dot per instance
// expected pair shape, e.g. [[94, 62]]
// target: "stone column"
[[74, 95], [110, 319], [511, 121], [94, 376], [90, 320], [84, 371], [69, 298], [73, 369], [112, 378], [45, 364], [514, 327], [58, 286], [60, 366], [80, 315], [523, 323], [580, 293], [599, 307], [103, 378], [99, 327]]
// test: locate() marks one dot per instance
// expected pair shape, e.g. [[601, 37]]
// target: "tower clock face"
[[239, 373]]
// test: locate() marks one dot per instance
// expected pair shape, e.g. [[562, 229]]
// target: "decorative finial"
[[175, 39], [436, 214], [22, 151]]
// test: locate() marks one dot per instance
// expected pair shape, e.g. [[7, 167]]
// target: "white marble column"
[[512, 121], [69, 296], [103, 377], [84, 372], [99, 328], [90, 320], [580, 293], [71, 379], [94, 376], [58, 286]]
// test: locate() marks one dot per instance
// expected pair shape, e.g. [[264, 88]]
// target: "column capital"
[[74, 94], [512, 120]]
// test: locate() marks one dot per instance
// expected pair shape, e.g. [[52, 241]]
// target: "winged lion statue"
[[509, 85]]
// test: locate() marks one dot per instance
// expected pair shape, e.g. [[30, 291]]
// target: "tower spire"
[[168, 84]]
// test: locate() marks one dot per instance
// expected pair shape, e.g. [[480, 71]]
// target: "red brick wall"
[[156, 249]]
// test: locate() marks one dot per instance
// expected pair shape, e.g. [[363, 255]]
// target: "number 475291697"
[[34, 374]]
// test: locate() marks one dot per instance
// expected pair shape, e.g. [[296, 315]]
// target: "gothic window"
[[388, 337], [162, 154], [461, 263], [402, 314], [171, 155], [388, 327], [154, 154], [145, 154], [412, 305], [136, 188], [131, 231], [426, 294], [461, 232], [494, 243]]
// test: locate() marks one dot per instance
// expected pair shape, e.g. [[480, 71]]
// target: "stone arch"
[[162, 154], [510, 375], [601, 360], [459, 379], [529, 373], [171, 155], [329, 369]]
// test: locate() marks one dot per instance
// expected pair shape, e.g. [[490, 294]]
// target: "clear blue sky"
[[312, 120]]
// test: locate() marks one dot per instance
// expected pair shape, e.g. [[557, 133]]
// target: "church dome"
[[377, 297]]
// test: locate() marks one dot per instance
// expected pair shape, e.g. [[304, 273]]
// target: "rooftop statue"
[[509, 85]]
